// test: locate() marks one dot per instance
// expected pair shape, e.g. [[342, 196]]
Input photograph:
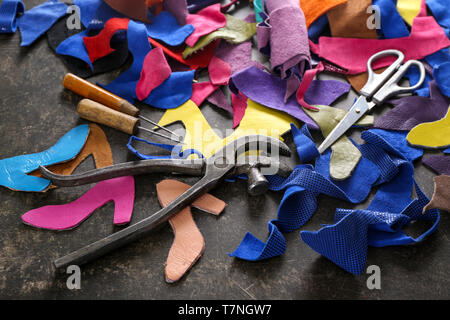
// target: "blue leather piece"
[[74, 47], [9, 9], [95, 13], [441, 74], [165, 27], [253, 249], [125, 84], [306, 148], [13, 171], [441, 12], [35, 22], [393, 142], [173, 92], [346, 242], [318, 28], [175, 150], [300, 202]]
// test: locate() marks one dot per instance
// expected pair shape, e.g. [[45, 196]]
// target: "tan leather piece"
[[188, 244], [441, 195], [349, 20], [96, 145]]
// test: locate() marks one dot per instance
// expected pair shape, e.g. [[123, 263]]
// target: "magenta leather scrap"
[[346, 242], [155, 71], [13, 171], [70, 215], [219, 71], [9, 12], [35, 22], [413, 110], [239, 104], [426, 37], [438, 163], [205, 21], [201, 91], [305, 84], [269, 90], [289, 46]]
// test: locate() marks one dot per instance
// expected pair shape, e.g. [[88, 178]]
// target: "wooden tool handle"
[[96, 112], [95, 93]]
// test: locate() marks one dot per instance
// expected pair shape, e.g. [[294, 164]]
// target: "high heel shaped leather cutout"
[[96, 145], [188, 244], [13, 171], [68, 216]]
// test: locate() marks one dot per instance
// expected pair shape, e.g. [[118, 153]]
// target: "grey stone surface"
[[36, 111]]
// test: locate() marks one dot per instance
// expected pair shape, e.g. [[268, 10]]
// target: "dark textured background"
[[36, 111]]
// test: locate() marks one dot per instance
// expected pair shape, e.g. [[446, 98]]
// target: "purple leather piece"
[[269, 90], [413, 110], [289, 46], [439, 163], [238, 56], [178, 8]]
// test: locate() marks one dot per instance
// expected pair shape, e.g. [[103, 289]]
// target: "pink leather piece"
[[155, 71], [201, 91], [352, 54], [205, 21], [239, 103], [219, 71], [308, 77], [67, 216]]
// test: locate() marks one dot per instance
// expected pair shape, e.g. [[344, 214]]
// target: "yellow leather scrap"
[[409, 9], [258, 119], [431, 134]]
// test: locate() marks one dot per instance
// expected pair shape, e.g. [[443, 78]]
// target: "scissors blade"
[[355, 113]]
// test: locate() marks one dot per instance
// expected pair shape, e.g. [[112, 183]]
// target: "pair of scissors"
[[378, 89]]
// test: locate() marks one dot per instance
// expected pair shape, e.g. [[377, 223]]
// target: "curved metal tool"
[[229, 161]]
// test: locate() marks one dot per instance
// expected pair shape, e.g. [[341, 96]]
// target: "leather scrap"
[[236, 31], [96, 145], [345, 155], [188, 244], [441, 195], [431, 134]]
